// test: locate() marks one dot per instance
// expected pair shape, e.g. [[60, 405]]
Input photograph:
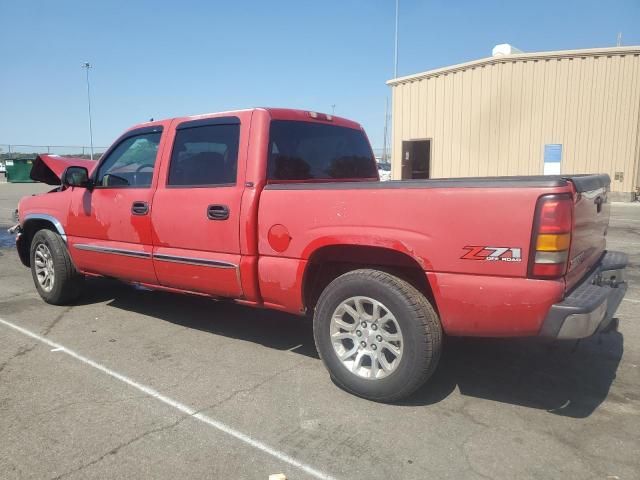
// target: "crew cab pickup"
[[284, 209]]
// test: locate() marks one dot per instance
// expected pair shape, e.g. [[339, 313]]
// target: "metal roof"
[[534, 56]]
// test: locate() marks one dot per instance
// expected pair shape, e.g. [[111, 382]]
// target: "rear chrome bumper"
[[590, 307]]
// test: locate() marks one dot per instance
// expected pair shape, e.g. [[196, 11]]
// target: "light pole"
[[87, 66], [395, 56], [386, 130], [395, 75]]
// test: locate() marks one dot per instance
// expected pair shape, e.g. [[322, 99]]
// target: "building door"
[[416, 159]]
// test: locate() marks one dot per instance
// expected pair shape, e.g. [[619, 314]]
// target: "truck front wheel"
[[378, 336], [54, 275]]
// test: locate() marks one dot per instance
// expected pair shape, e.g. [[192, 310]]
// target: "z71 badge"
[[493, 254]]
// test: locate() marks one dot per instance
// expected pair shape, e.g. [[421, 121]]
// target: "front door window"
[[131, 163]]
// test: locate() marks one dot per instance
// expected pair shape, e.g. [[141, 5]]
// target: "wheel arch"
[[328, 262], [34, 222]]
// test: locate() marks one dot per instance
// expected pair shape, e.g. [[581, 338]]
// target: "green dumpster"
[[18, 170]]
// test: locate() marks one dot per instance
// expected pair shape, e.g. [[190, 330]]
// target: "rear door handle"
[[140, 208], [217, 212]]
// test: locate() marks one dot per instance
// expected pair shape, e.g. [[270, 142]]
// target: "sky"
[[171, 58]]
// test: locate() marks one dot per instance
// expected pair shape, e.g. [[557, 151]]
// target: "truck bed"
[[436, 223]]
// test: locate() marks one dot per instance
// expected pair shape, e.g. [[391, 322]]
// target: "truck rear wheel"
[[54, 275], [378, 336]]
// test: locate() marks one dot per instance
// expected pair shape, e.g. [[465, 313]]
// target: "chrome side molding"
[[116, 251], [194, 261], [200, 262]]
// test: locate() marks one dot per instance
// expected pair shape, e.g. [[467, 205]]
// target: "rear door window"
[[205, 156], [308, 151]]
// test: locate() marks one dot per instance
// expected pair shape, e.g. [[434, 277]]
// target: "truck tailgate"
[[590, 220]]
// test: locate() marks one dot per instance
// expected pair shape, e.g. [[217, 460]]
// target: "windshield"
[[308, 151]]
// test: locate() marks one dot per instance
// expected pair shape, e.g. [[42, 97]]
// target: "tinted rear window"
[[307, 151], [205, 155]]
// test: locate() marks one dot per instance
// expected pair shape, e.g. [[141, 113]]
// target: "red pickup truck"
[[284, 209]]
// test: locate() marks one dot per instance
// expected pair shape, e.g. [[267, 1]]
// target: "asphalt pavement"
[[139, 384]]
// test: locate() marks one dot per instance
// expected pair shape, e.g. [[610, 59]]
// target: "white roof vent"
[[505, 49]]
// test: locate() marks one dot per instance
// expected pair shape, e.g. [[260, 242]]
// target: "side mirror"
[[76, 177]]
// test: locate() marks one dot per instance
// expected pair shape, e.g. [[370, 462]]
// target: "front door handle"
[[217, 212], [140, 208]]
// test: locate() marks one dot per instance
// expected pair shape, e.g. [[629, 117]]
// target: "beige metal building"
[[574, 111]]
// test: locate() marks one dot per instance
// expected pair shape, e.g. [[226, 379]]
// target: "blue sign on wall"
[[552, 158], [553, 153]]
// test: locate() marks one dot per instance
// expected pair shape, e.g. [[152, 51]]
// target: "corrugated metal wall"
[[494, 117]]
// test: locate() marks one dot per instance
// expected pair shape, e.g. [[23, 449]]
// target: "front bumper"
[[21, 244], [590, 307]]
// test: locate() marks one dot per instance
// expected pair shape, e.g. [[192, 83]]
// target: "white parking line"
[[632, 300], [192, 412]]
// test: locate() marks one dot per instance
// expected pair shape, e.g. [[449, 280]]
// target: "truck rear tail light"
[[553, 242], [554, 214], [551, 237]]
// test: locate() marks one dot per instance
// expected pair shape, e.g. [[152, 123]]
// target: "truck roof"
[[276, 114]]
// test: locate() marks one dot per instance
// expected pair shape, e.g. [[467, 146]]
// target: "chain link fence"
[[10, 151]]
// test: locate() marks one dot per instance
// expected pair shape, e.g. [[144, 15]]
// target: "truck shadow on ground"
[[564, 378], [269, 328]]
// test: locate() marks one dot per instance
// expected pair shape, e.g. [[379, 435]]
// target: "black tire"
[[417, 320], [67, 282]]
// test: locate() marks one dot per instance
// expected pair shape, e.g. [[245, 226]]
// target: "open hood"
[[48, 168]]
